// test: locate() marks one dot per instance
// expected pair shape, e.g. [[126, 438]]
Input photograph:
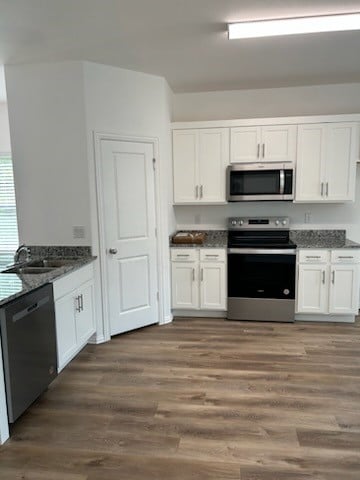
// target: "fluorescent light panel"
[[294, 26]]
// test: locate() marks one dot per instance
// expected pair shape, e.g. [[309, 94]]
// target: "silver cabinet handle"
[[81, 302], [327, 189], [263, 150], [113, 251], [313, 256], [178, 255], [77, 304], [211, 256], [322, 189], [193, 274], [258, 150], [323, 277], [202, 274], [333, 277], [345, 256], [201, 191], [197, 191]]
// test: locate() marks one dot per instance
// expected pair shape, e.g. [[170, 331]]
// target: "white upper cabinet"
[[200, 159], [272, 143], [326, 162], [185, 153]]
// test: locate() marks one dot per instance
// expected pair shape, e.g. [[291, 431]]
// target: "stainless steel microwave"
[[259, 181]]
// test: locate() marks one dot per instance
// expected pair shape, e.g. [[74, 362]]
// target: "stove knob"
[[277, 222], [284, 222], [241, 222], [233, 222]]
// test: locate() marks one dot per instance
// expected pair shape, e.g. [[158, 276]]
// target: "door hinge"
[[155, 232], [157, 296], [154, 163]]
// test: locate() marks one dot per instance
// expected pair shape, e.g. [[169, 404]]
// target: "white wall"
[[275, 102], [47, 122], [4, 129], [129, 103], [270, 102]]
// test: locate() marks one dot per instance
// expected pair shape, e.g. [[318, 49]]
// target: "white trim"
[[308, 317], [200, 313], [98, 137], [267, 121]]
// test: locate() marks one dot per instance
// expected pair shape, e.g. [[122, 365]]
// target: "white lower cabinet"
[[328, 282], [74, 313], [198, 279]]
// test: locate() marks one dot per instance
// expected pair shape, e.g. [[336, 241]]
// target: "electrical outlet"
[[307, 217], [78, 231]]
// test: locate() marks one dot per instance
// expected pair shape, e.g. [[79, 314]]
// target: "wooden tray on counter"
[[189, 237]]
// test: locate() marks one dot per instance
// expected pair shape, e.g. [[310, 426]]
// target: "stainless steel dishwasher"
[[29, 348]]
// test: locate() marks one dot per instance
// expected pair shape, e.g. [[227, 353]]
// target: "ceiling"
[[183, 40]]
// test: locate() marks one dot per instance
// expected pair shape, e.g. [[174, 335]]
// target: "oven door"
[[261, 273], [254, 183], [261, 284]]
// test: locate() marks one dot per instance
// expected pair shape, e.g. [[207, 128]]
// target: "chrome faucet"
[[22, 248]]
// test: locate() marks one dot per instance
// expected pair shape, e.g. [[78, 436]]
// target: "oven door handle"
[[262, 251], [282, 182]]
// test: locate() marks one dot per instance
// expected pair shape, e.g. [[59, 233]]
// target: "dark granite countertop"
[[214, 239], [13, 285], [329, 239]]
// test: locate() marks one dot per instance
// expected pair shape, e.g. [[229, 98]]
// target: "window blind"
[[9, 239]]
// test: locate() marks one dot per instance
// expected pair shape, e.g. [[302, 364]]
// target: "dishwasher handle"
[[28, 310]]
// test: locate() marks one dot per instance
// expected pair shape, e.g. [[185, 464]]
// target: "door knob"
[[113, 251]]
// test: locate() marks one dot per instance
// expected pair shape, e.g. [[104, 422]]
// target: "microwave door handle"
[[282, 182]]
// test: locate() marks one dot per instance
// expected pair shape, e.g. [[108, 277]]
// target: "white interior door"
[[128, 191]]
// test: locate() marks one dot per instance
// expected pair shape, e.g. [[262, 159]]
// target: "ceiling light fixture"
[[294, 26]]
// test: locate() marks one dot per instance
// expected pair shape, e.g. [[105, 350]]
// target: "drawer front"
[[184, 254], [212, 255], [345, 256], [314, 256], [72, 280]]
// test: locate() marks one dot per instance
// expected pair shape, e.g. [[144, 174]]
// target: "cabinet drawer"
[[184, 254], [72, 280], [314, 256], [345, 256], [212, 255]]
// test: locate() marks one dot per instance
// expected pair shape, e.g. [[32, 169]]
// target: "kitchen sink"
[[29, 270], [50, 262]]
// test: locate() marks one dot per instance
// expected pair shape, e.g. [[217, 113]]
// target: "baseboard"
[[97, 339], [200, 313], [308, 317], [166, 319]]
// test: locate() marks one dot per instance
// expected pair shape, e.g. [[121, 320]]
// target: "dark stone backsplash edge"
[[44, 251]]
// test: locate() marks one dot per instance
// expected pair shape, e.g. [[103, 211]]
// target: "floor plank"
[[203, 399]]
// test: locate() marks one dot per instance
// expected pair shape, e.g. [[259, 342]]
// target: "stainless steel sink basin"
[[29, 270], [50, 262]]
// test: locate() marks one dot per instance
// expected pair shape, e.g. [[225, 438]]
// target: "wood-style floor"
[[199, 399]]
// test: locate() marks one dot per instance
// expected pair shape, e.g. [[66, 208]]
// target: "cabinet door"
[[212, 286], [310, 158], [85, 321], [185, 146], [278, 143], [344, 289], [312, 289], [213, 159], [185, 287], [245, 144], [65, 329], [340, 163]]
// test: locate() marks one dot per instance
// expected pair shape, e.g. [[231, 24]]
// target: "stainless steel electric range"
[[261, 269]]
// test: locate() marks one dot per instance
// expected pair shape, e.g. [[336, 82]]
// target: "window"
[[9, 239]]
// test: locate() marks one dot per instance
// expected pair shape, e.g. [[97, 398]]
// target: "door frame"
[[100, 239]]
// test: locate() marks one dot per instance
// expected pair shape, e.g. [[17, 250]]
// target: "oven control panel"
[[258, 223]]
